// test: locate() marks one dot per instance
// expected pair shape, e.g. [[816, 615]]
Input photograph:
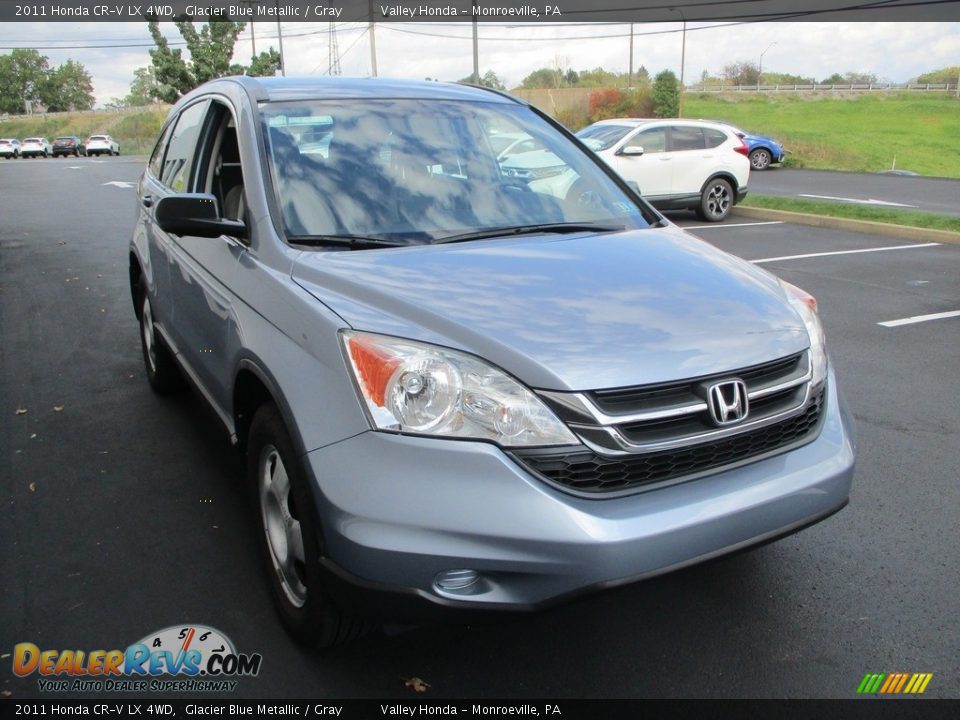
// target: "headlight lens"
[[408, 386], [806, 305]]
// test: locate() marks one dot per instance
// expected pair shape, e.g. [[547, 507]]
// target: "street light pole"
[[630, 75], [760, 69]]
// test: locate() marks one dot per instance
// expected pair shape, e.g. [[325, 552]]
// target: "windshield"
[[600, 137], [422, 170]]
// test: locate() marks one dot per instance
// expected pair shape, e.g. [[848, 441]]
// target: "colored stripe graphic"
[[894, 683]]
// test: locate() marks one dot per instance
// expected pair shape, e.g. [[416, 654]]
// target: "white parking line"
[[726, 225], [846, 252], [920, 319]]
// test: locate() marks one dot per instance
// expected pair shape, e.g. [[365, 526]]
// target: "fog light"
[[456, 580]]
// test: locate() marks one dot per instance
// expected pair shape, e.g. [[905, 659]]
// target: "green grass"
[[856, 212], [861, 132], [135, 131]]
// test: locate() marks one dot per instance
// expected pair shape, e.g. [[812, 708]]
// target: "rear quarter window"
[[714, 138]]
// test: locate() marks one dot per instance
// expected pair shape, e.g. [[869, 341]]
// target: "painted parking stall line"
[[920, 319], [869, 201], [911, 246]]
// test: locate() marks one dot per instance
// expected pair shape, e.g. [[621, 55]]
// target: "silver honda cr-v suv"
[[456, 388]]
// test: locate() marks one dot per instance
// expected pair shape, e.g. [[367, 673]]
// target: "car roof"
[[635, 122], [274, 89]]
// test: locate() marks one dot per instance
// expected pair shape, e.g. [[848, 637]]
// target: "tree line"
[[28, 81]]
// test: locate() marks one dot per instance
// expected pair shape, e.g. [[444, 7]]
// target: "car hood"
[[570, 312]]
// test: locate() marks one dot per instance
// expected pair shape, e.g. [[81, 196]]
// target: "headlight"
[[408, 386], [805, 304]]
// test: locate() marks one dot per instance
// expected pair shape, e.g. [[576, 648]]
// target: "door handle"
[[147, 200]]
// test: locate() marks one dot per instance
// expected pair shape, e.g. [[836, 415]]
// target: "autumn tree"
[[943, 75]]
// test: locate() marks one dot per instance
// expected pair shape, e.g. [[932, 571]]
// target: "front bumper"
[[396, 511]]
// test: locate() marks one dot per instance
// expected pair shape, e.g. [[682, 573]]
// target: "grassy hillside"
[[863, 132], [135, 131]]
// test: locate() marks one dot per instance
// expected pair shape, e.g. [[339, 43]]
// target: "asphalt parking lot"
[[123, 514]]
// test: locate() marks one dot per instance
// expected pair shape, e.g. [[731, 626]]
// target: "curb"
[[865, 226]]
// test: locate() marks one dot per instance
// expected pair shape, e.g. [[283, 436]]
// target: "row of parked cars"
[[12, 148]]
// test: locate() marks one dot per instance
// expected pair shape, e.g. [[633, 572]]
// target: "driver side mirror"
[[196, 214], [635, 150]]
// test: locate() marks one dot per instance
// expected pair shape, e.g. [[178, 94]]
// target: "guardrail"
[[856, 87]]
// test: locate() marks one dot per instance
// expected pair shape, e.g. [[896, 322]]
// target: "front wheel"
[[716, 200], [760, 159], [290, 543]]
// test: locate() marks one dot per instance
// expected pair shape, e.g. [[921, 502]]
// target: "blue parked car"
[[764, 150]]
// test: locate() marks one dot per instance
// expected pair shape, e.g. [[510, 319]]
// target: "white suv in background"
[[35, 147], [100, 144], [677, 164]]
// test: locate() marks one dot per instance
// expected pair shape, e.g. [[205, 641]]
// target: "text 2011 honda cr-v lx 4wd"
[[460, 388]]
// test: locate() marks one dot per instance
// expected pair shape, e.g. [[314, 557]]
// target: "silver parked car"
[[453, 390]]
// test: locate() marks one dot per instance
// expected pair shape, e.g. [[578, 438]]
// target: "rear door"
[[653, 170], [692, 160]]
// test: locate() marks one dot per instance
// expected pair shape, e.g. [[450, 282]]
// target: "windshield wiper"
[[529, 230], [351, 242]]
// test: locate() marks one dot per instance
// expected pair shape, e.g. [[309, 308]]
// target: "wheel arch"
[[723, 175], [253, 386]]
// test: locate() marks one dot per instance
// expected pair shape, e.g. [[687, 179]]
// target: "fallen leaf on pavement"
[[21, 411], [416, 684], [32, 486], [57, 408], [6, 693], [33, 435]]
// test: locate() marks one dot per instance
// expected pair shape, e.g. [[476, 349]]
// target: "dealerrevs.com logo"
[[180, 658]]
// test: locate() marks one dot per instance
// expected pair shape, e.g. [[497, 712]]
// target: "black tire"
[[162, 371], [760, 159], [287, 518], [716, 199]]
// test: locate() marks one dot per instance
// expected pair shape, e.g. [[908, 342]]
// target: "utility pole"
[[373, 42], [760, 68], [476, 47], [334, 51], [283, 65], [630, 75], [683, 59], [253, 37]]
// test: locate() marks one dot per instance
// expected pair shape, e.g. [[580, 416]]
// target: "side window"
[[219, 164], [179, 160], [653, 140], [714, 138], [686, 138], [156, 160]]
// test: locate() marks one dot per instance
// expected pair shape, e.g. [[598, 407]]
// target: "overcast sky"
[[893, 51]]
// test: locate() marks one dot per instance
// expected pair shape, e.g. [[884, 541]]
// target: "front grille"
[[590, 473]]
